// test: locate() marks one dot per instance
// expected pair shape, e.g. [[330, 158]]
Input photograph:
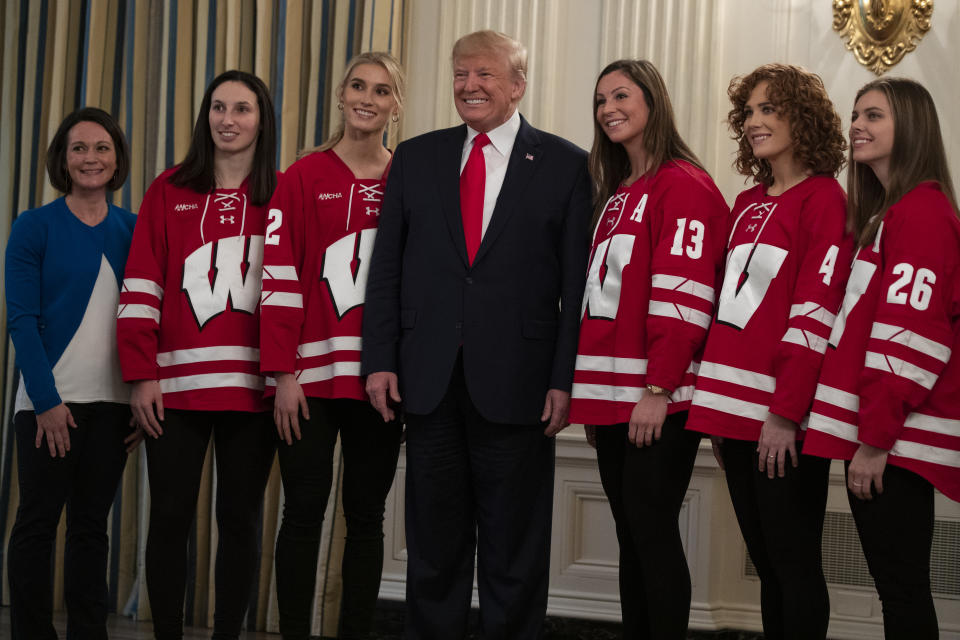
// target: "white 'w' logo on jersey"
[[236, 265]]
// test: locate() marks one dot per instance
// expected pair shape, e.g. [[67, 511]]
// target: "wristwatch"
[[657, 391]]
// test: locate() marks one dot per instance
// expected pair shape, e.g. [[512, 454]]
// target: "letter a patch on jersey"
[[221, 273]]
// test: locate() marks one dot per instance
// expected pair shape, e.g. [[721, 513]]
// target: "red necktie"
[[472, 182]]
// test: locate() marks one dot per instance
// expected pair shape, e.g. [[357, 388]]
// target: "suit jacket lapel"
[[450, 152], [523, 161]]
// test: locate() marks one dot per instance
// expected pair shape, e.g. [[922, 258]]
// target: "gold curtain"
[[148, 63]]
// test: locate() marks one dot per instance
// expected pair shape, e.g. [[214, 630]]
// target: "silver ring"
[[857, 484], [770, 457]]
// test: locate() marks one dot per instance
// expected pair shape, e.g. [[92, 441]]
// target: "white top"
[[89, 369], [496, 157]]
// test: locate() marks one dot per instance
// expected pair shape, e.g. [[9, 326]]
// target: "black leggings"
[[86, 481], [244, 446], [782, 523], [370, 448], [896, 531], [646, 487]]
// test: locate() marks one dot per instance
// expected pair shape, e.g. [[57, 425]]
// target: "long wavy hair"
[[609, 163], [918, 155], [197, 169], [398, 84], [801, 99]]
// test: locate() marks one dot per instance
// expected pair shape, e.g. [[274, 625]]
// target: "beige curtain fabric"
[[148, 63]]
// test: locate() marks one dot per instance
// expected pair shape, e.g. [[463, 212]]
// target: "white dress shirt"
[[496, 156]]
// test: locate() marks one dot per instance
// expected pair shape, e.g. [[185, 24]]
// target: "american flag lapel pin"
[[529, 156]]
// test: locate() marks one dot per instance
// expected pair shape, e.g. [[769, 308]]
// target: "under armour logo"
[[373, 211], [226, 219], [751, 227]]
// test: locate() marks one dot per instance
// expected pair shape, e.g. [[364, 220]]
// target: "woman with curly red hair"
[[788, 257]]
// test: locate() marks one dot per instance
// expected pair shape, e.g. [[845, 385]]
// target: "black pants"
[[782, 523], [86, 481], [474, 485], [370, 449], [645, 488], [244, 446], [896, 531]]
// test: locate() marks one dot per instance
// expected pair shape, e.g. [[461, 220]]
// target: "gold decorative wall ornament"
[[881, 32]]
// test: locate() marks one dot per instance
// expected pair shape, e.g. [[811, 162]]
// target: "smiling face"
[[486, 90], [91, 157], [622, 110], [871, 132], [769, 135], [368, 99], [234, 118]]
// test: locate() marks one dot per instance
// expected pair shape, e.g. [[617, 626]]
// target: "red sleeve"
[[911, 337], [141, 296], [685, 267], [826, 251], [281, 299]]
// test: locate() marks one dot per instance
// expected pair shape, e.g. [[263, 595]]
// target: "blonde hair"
[[397, 78], [488, 41]]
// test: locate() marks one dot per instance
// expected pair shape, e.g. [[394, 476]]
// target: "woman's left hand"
[[778, 437], [866, 471], [646, 419]]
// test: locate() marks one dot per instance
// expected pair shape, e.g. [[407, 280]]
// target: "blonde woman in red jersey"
[[889, 394], [660, 227], [788, 257], [320, 235]]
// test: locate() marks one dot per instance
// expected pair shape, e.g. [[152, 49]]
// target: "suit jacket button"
[[459, 325], [468, 280]]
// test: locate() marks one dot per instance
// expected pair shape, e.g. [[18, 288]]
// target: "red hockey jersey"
[[320, 233], [188, 313], [788, 258], [655, 262], [891, 378]]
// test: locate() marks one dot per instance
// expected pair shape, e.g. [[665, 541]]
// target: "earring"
[[340, 106], [395, 117]]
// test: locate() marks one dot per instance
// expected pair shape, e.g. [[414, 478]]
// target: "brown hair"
[[801, 99], [197, 170], [393, 68], [609, 163], [56, 159], [917, 156]]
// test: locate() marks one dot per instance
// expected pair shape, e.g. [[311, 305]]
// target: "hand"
[[590, 431], [133, 440], [866, 469], [646, 419], [145, 396], [288, 404], [778, 436], [52, 424], [556, 409], [383, 387], [715, 442]]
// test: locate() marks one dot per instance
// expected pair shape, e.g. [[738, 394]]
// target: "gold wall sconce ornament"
[[881, 32]]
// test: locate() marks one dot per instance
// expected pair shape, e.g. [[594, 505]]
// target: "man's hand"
[[556, 410], [145, 396], [288, 403], [52, 424], [646, 419], [866, 470], [778, 437], [383, 388]]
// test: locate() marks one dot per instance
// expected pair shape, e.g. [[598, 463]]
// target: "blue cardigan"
[[52, 264]]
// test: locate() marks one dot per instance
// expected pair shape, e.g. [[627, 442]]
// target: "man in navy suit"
[[472, 312]]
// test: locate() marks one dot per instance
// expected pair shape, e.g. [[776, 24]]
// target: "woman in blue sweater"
[[64, 266]]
